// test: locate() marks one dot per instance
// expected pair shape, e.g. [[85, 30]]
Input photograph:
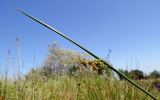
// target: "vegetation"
[[61, 62], [69, 75], [155, 74], [139, 75], [70, 88], [107, 65]]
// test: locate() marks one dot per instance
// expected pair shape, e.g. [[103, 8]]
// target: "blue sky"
[[130, 28]]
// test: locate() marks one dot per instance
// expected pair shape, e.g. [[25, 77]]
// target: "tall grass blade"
[[108, 65]]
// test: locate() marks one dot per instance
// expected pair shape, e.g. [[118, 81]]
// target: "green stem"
[[108, 65]]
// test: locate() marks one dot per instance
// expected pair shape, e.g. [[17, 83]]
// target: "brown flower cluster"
[[96, 65]]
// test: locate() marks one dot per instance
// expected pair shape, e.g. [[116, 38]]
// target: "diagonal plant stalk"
[[108, 65]]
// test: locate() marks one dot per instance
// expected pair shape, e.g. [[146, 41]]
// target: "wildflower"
[[156, 85]]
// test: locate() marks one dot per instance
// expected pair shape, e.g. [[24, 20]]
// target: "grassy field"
[[73, 88], [82, 87]]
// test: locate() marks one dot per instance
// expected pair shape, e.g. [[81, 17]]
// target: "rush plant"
[[92, 54]]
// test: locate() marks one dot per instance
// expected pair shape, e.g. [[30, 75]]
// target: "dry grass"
[[73, 88]]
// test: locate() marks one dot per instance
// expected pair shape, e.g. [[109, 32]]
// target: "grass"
[[92, 54], [83, 87], [73, 88]]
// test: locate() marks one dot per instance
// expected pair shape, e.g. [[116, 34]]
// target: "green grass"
[[74, 88], [92, 54]]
